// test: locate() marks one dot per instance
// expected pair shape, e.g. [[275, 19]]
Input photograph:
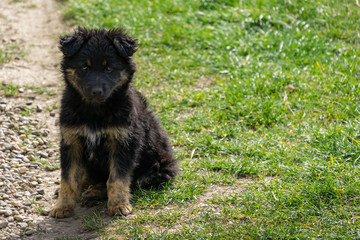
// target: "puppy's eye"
[[108, 69], [84, 68]]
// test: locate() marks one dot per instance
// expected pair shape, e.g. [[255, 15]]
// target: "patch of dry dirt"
[[34, 25], [189, 212]]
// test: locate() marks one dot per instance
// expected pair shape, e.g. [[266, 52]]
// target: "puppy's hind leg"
[[158, 174], [94, 193]]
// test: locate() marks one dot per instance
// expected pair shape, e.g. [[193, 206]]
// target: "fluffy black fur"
[[108, 134]]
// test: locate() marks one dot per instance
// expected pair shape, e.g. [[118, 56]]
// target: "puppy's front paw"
[[118, 193], [61, 211], [119, 209]]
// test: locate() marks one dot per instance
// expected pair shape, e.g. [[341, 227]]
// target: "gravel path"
[[29, 171], [28, 166]]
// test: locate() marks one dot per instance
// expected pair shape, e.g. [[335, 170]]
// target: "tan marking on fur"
[[70, 134], [104, 63], [118, 134], [117, 188], [88, 62], [77, 174], [71, 139], [73, 79], [70, 71], [118, 191], [69, 192], [66, 203], [124, 76], [97, 191], [71, 187]]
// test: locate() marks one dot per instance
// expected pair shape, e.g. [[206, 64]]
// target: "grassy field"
[[261, 101]]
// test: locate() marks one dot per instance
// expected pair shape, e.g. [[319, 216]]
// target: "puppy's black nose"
[[97, 92]]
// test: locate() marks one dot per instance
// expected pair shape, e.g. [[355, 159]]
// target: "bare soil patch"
[[33, 25]]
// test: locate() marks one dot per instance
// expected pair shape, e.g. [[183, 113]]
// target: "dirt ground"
[[33, 25]]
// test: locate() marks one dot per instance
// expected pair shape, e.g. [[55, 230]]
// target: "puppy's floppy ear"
[[124, 44], [125, 47], [70, 44]]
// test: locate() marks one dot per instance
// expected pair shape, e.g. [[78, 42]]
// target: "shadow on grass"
[[88, 222]]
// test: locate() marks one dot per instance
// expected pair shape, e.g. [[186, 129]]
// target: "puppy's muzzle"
[[97, 92]]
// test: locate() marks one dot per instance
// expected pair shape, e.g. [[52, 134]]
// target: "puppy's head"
[[96, 62]]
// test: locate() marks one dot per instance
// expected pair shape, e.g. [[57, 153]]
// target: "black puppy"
[[109, 137]]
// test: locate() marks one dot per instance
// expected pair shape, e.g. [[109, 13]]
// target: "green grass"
[[92, 221], [261, 89], [40, 91], [9, 89], [9, 51]]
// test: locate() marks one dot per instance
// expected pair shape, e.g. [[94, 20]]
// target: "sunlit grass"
[[263, 89]]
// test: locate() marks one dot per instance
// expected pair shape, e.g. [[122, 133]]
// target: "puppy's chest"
[[95, 145], [93, 140]]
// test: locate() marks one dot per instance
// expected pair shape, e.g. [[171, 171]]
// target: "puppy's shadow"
[[84, 224], [89, 219]]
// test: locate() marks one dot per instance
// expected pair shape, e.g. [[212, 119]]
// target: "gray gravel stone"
[[36, 133], [23, 149], [38, 108], [29, 232], [45, 212], [42, 154], [34, 183], [3, 224], [41, 191], [8, 213], [19, 218], [22, 225]]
